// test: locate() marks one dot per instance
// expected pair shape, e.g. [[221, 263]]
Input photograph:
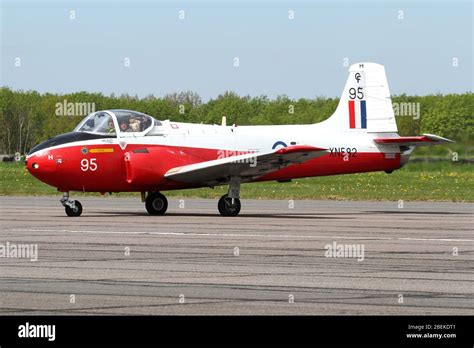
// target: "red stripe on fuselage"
[[330, 165], [145, 169]]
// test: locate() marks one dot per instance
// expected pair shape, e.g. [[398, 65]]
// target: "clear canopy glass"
[[112, 122], [97, 122], [132, 121]]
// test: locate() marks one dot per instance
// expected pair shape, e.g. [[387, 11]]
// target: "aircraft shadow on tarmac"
[[270, 216], [315, 216], [415, 212]]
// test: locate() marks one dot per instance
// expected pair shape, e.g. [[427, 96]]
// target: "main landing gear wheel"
[[156, 203], [227, 208], [76, 210]]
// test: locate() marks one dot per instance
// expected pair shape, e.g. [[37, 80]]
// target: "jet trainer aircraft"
[[128, 151]]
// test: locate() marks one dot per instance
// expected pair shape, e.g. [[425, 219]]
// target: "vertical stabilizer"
[[365, 104]]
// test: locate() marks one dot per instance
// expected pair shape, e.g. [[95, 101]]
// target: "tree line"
[[28, 117]]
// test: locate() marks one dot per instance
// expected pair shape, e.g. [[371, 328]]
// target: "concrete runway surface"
[[190, 256]]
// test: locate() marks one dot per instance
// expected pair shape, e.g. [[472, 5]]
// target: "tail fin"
[[365, 104]]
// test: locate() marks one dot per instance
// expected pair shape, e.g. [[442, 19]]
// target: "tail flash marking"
[[363, 112], [352, 121], [357, 119]]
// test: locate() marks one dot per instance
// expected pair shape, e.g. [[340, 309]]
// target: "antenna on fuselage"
[[224, 121]]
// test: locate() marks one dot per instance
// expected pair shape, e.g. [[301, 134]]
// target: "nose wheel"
[[72, 208], [156, 203], [74, 211]]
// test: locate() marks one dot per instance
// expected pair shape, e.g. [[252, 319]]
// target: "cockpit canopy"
[[113, 122]]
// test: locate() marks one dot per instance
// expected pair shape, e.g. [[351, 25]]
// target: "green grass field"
[[443, 181]]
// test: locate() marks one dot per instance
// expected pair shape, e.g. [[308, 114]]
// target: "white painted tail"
[[365, 104]]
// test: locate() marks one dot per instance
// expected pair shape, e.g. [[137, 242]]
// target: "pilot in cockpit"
[[124, 126], [144, 123], [134, 124], [111, 128]]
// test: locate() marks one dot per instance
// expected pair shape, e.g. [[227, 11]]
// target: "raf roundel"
[[84, 151]]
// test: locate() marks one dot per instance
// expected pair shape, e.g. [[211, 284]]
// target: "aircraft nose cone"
[[40, 163]]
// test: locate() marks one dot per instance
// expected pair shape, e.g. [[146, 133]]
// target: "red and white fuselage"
[[122, 150]]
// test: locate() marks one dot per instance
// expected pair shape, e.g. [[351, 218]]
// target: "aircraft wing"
[[248, 166], [421, 140]]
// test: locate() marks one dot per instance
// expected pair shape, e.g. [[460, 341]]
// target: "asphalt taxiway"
[[116, 259]]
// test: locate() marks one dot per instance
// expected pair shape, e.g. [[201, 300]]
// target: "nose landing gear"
[[72, 208]]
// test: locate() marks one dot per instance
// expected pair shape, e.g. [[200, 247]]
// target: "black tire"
[[156, 203], [226, 208], [77, 211]]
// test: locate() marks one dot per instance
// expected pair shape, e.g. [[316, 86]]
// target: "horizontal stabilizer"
[[420, 140]]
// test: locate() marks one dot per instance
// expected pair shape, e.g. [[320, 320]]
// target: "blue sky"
[[301, 58]]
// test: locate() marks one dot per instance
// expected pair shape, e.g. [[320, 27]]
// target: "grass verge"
[[443, 181]]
